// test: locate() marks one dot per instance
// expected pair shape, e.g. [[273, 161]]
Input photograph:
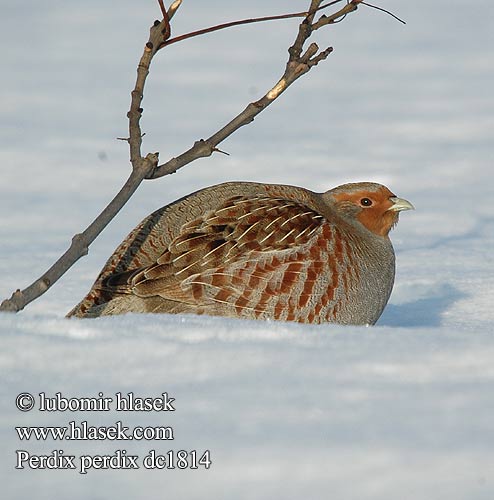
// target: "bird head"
[[371, 204]]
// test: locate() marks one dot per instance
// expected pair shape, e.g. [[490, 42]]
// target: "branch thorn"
[[220, 151]]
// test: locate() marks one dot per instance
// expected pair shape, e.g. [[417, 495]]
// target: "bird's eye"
[[366, 202]]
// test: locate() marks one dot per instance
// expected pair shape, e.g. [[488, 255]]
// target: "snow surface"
[[402, 410]]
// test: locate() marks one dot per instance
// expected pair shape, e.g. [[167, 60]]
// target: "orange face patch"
[[373, 209]]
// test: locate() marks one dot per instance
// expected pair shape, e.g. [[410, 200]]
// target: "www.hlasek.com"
[[83, 431]]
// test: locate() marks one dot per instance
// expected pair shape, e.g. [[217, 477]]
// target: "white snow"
[[404, 409]]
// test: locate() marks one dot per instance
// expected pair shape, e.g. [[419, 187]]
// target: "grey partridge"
[[258, 251]]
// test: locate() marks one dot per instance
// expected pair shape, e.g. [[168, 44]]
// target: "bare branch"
[[299, 63], [141, 168], [80, 243]]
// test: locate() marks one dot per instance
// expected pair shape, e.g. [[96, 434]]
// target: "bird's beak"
[[399, 204]]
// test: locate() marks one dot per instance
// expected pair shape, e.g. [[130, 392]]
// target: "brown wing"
[[258, 257]]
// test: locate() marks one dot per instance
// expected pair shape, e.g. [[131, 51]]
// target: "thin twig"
[[384, 10], [163, 9], [325, 20], [308, 14], [173, 8]]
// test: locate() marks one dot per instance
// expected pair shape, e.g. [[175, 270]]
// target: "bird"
[[257, 251]]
